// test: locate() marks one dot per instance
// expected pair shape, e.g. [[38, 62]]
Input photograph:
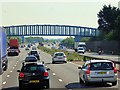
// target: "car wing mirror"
[[43, 62], [48, 69], [79, 67], [18, 70]]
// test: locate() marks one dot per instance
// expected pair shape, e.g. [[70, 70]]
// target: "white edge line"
[[54, 74], [4, 83], [8, 75], [60, 80]]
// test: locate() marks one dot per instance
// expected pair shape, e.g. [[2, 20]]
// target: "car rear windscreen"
[[59, 54], [33, 52], [101, 66], [33, 68]]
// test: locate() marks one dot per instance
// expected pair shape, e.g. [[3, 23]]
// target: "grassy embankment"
[[70, 56]]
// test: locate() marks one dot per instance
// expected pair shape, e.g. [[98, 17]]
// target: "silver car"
[[98, 71], [59, 57]]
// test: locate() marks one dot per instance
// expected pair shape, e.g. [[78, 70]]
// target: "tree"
[[68, 42], [116, 31], [107, 17]]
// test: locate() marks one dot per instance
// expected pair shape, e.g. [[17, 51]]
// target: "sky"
[[60, 12]]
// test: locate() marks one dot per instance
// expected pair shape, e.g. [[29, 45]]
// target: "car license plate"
[[101, 72], [34, 81]]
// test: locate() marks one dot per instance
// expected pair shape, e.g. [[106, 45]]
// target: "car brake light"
[[88, 71], [21, 75], [115, 70], [64, 56], [46, 74]]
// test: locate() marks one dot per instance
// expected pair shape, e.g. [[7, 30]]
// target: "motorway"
[[62, 76]]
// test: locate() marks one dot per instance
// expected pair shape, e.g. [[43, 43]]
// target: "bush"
[[70, 56]]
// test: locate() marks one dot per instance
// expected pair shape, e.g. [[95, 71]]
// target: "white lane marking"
[[53, 74], [10, 71], [60, 80], [118, 79], [4, 83], [45, 66], [13, 67], [8, 75]]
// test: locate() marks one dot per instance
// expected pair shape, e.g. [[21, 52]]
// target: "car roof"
[[93, 61], [59, 52], [32, 63], [33, 50], [30, 56]]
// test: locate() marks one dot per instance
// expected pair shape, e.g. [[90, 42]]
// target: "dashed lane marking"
[[118, 79], [10, 71], [60, 80], [53, 74], [4, 83], [8, 75], [13, 67]]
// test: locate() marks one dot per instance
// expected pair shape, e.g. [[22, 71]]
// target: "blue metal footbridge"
[[51, 30]]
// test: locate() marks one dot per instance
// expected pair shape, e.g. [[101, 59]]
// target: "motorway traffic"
[[62, 76]]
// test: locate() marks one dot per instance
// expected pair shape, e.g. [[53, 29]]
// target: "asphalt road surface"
[[62, 76]]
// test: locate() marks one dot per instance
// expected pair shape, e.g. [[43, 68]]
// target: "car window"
[[33, 52], [33, 68], [59, 54], [85, 66], [101, 66], [30, 58]]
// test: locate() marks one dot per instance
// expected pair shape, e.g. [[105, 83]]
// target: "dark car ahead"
[[33, 75], [35, 53], [31, 58]]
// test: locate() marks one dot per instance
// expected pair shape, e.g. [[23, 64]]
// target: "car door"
[[82, 71]]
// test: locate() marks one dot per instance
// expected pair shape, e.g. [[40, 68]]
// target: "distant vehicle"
[[29, 45], [41, 44], [3, 51], [22, 46], [79, 44], [98, 71], [34, 48], [61, 47], [35, 53], [81, 50], [31, 58], [14, 47], [59, 57], [27, 48], [33, 75]]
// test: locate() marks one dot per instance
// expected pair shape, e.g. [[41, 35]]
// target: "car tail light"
[[46, 74], [21, 75], [64, 56], [88, 70], [115, 70], [55, 56]]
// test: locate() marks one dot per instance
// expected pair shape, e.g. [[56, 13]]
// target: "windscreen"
[[33, 68], [30, 58], [59, 54], [33, 52], [101, 66]]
